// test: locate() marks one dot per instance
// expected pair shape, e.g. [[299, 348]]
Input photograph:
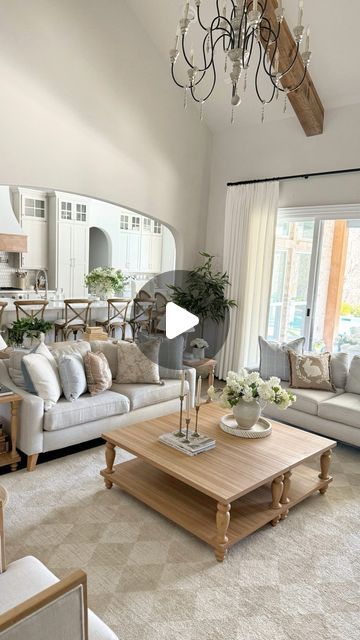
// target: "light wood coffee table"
[[222, 495]]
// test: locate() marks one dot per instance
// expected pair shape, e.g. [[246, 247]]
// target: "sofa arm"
[[31, 415]]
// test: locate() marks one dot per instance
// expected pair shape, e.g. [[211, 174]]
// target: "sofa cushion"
[[142, 395], [274, 358], [69, 348], [339, 367], [344, 408], [308, 400], [353, 379], [109, 349], [87, 408]]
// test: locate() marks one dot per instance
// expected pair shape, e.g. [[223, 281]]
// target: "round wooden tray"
[[261, 429]]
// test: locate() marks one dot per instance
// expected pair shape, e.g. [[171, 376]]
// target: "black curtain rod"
[[297, 177]]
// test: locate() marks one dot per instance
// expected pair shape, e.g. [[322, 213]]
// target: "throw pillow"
[[310, 371], [97, 371], [70, 348], [353, 380], [170, 354], [44, 378], [274, 359], [339, 367], [138, 362], [109, 349], [72, 376], [41, 349], [15, 371]]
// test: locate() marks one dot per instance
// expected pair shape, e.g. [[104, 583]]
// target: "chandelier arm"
[[199, 19], [257, 76], [182, 86], [266, 47], [213, 45], [283, 73], [211, 90]]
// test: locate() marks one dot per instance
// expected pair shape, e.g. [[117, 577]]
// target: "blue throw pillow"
[[72, 376], [171, 351]]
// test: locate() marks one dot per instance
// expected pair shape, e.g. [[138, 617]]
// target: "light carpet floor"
[[149, 579]]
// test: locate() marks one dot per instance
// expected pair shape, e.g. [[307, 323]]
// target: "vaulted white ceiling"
[[334, 65]]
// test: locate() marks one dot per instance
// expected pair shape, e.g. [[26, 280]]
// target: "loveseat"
[[69, 423], [335, 414]]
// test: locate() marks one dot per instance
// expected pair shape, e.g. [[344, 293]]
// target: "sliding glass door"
[[316, 283]]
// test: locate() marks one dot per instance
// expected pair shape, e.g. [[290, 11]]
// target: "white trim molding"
[[325, 212]]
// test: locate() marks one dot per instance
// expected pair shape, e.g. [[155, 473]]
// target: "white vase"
[[199, 354], [247, 414]]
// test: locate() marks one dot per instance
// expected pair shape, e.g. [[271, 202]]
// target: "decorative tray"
[[260, 430]]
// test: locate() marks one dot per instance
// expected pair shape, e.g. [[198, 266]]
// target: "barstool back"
[[30, 308]]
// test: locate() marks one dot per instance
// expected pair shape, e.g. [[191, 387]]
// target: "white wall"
[[88, 106], [281, 148]]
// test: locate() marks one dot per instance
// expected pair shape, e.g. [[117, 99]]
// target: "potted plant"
[[28, 329], [198, 346], [105, 282], [247, 394], [204, 293]]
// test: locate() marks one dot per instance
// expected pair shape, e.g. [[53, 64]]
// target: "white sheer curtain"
[[250, 225]]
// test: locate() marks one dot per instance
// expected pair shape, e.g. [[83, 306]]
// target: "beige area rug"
[[149, 579]]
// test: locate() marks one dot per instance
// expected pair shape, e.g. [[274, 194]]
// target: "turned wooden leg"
[[285, 494], [325, 460], [31, 461], [109, 458], [277, 488], [13, 427], [222, 524], [275, 521]]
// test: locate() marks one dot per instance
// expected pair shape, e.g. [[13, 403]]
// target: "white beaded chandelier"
[[242, 30]]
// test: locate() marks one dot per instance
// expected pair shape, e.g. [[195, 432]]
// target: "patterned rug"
[[149, 579]]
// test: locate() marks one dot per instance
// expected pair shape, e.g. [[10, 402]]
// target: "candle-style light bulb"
[[192, 57], [198, 391], [277, 61], [307, 47], [176, 42], [254, 5], [186, 9], [301, 11]]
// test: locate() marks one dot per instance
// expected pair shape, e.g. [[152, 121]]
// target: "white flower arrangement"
[[199, 343], [248, 387]]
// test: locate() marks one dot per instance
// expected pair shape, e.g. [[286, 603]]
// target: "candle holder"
[[180, 434], [187, 441], [195, 433]]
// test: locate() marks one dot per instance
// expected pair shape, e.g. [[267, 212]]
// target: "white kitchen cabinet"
[[129, 251], [69, 237], [32, 212]]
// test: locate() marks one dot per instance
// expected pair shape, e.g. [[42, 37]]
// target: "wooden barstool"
[[159, 313], [30, 308], [141, 316], [116, 316], [76, 318]]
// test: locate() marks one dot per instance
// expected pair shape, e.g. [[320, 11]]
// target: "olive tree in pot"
[[203, 293]]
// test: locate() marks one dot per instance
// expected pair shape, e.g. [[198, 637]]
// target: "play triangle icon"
[[178, 320]]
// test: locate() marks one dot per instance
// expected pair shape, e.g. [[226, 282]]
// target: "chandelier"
[[243, 30]]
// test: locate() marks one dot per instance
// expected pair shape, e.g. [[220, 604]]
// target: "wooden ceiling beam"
[[305, 100]]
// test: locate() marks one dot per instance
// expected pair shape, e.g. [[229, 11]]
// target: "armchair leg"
[[31, 461]]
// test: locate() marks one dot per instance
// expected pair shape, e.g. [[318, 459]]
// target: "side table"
[[12, 458], [206, 364]]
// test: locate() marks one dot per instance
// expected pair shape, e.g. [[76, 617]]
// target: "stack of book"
[[4, 441], [192, 448]]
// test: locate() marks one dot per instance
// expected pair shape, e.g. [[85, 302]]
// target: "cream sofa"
[[335, 414], [70, 423]]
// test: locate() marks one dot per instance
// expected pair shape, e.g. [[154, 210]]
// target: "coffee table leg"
[[277, 488], [285, 494], [109, 458], [325, 460], [222, 525]]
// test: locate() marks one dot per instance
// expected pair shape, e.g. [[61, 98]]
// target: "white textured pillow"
[[339, 367], [353, 380], [44, 377]]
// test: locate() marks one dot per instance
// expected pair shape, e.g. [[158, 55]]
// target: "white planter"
[[199, 354], [247, 414]]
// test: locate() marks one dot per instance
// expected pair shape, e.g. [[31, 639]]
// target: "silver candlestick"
[[179, 434]]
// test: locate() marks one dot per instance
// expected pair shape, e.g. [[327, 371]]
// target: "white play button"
[[178, 320]]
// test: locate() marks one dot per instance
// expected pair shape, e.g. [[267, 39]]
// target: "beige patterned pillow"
[[97, 371], [138, 362], [310, 371]]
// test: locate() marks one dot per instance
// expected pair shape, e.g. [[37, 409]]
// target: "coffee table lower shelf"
[[197, 512]]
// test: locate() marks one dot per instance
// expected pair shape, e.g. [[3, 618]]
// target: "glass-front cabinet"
[[140, 244]]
